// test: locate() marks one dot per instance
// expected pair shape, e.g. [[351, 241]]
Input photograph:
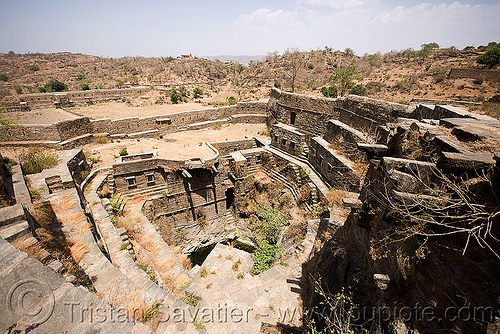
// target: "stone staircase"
[[61, 307], [304, 156], [14, 223], [115, 242], [150, 191], [280, 178], [110, 283]]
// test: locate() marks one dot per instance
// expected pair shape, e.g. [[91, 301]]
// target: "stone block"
[[352, 203], [56, 265], [11, 214], [466, 160]]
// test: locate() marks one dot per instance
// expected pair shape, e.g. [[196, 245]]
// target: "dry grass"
[[74, 218], [165, 265], [65, 204], [183, 258], [82, 228], [174, 283], [134, 304], [25, 244], [100, 140], [77, 248]]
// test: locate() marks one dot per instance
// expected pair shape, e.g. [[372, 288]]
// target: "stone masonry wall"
[[336, 170], [43, 100], [76, 127], [40, 132], [474, 73], [312, 113], [287, 138], [226, 147]]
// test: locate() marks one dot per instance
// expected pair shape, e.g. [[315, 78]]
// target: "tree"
[[349, 52], [329, 91], [179, 95], [197, 93], [490, 57], [294, 59], [344, 77], [359, 90], [53, 86]]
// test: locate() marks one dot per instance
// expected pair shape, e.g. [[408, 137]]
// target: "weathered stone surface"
[[377, 148], [55, 265], [466, 160], [472, 133], [447, 143], [419, 169], [11, 214], [405, 182], [352, 203]]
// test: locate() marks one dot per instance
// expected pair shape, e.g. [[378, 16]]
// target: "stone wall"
[[46, 100], [287, 138], [228, 146], [338, 171], [74, 128], [161, 124], [474, 73], [40, 132], [310, 114]]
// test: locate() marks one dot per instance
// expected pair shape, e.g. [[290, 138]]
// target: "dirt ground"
[[116, 110], [39, 116], [180, 145]]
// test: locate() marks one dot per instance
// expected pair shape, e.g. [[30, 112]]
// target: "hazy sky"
[[116, 28]]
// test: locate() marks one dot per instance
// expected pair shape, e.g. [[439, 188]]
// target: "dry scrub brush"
[[463, 206]]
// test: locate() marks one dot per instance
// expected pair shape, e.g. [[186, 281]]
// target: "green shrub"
[[84, 85], [124, 246], [264, 256], [231, 100], [34, 67], [151, 310], [359, 90], [236, 265], [191, 299], [490, 57], [329, 91], [123, 151], [7, 164], [18, 89], [197, 93], [271, 222], [56, 86], [35, 161], [179, 95], [3, 77], [116, 203]]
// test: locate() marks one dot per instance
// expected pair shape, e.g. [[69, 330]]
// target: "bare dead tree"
[[294, 64], [443, 209]]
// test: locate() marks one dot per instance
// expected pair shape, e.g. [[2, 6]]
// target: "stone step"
[[11, 214], [12, 231], [149, 191], [143, 134]]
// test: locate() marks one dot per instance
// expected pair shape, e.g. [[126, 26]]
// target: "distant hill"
[[237, 59]]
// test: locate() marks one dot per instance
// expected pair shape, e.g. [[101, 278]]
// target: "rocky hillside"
[[395, 76]]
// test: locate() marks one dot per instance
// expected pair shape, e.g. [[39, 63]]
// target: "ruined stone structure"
[[362, 146]]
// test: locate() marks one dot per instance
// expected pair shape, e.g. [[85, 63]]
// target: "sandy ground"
[[180, 145], [39, 116], [116, 110]]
